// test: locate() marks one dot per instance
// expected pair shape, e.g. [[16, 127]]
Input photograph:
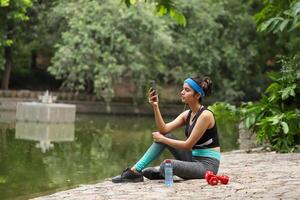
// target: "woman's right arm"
[[163, 127]]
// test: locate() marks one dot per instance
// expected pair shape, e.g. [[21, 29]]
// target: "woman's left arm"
[[203, 123]]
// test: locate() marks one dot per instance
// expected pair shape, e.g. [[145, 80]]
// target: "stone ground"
[[255, 175]]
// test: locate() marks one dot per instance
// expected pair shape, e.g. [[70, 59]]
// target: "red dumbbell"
[[208, 175], [213, 179], [223, 179]]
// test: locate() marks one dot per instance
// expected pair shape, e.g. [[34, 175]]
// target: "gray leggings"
[[187, 166]]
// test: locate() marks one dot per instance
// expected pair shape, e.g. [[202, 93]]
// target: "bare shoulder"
[[184, 114], [207, 117], [206, 114]]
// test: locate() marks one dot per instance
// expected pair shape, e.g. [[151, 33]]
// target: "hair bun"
[[206, 83]]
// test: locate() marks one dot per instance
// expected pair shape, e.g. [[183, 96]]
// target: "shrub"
[[276, 117]]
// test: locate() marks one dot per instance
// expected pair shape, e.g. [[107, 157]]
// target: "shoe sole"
[[129, 181]]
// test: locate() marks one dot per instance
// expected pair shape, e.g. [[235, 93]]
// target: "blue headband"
[[195, 86]]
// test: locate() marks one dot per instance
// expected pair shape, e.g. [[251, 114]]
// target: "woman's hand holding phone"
[[152, 96]]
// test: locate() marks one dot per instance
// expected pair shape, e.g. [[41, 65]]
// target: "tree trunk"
[[8, 57], [8, 67], [33, 59]]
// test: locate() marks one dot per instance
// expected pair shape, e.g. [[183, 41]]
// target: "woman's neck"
[[195, 107]]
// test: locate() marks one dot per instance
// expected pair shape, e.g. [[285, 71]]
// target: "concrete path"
[[252, 176]]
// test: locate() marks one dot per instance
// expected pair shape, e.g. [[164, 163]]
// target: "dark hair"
[[206, 83]]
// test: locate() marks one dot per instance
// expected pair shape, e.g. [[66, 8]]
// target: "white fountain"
[[46, 111]]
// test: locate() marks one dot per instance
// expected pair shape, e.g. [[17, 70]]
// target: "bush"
[[276, 116], [228, 118]]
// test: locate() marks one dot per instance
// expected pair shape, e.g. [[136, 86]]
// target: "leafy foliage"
[[163, 7], [278, 16], [276, 117], [219, 40], [98, 48], [227, 118], [12, 13], [129, 41]]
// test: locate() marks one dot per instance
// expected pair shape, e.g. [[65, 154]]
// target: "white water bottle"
[[168, 173]]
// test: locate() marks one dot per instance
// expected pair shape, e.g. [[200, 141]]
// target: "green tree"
[[219, 40], [105, 41], [278, 16], [276, 116], [123, 40], [12, 14]]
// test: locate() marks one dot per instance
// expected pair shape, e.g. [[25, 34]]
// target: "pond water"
[[39, 159]]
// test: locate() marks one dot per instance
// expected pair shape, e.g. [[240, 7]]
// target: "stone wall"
[[247, 138], [122, 103], [124, 92], [33, 95]]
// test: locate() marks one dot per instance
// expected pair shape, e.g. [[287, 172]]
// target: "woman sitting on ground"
[[194, 156]]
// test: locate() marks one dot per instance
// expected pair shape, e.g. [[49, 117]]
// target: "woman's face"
[[188, 94]]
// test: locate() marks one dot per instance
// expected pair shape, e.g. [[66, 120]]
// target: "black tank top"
[[209, 139]]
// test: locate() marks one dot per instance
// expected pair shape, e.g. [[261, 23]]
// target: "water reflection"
[[7, 117], [45, 133]]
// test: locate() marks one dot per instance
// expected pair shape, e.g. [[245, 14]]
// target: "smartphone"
[[153, 85]]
